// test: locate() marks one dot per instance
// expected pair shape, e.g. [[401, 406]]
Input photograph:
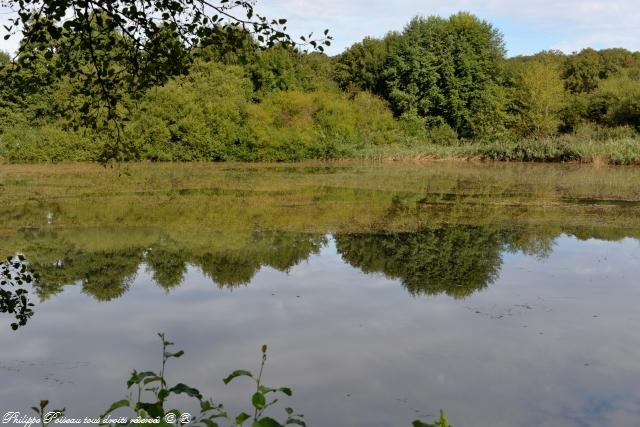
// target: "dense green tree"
[[583, 71], [9, 107], [617, 60], [281, 68], [275, 69], [362, 66], [5, 59], [537, 98], [447, 70], [230, 46], [130, 45], [196, 117], [616, 102], [316, 72]]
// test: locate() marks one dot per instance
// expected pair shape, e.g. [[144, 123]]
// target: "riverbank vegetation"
[[440, 88]]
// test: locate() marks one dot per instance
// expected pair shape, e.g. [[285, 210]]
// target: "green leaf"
[[236, 374], [176, 355], [286, 390], [153, 409], [189, 391], [138, 377], [264, 390], [119, 404], [266, 422], [207, 405], [151, 380], [240, 419], [209, 423], [258, 400]]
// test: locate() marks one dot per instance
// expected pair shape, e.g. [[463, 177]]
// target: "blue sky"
[[528, 26]]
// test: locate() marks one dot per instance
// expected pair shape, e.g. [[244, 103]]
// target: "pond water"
[[506, 295]]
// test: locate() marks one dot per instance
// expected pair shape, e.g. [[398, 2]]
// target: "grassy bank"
[[620, 151], [28, 148], [316, 197]]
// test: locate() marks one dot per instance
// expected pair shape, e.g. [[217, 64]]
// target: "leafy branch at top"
[[117, 49]]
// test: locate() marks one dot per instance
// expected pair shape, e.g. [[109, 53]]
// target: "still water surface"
[[520, 310]]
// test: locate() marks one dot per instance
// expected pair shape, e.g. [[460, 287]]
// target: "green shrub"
[[625, 152], [590, 131], [49, 143], [197, 117], [413, 125], [443, 135], [529, 150], [294, 125]]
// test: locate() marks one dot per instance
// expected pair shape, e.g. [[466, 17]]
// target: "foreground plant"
[[14, 298], [46, 416], [440, 422], [152, 393]]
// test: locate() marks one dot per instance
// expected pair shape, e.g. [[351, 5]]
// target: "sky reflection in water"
[[369, 330]]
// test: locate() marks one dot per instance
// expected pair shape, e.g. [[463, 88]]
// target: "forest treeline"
[[441, 87]]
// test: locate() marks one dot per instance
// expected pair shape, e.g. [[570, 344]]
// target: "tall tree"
[[447, 70], [538, 98], [362, 65], [583, 71]]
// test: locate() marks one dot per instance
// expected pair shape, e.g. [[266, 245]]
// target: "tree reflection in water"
[[455, 260], [106, 275]]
